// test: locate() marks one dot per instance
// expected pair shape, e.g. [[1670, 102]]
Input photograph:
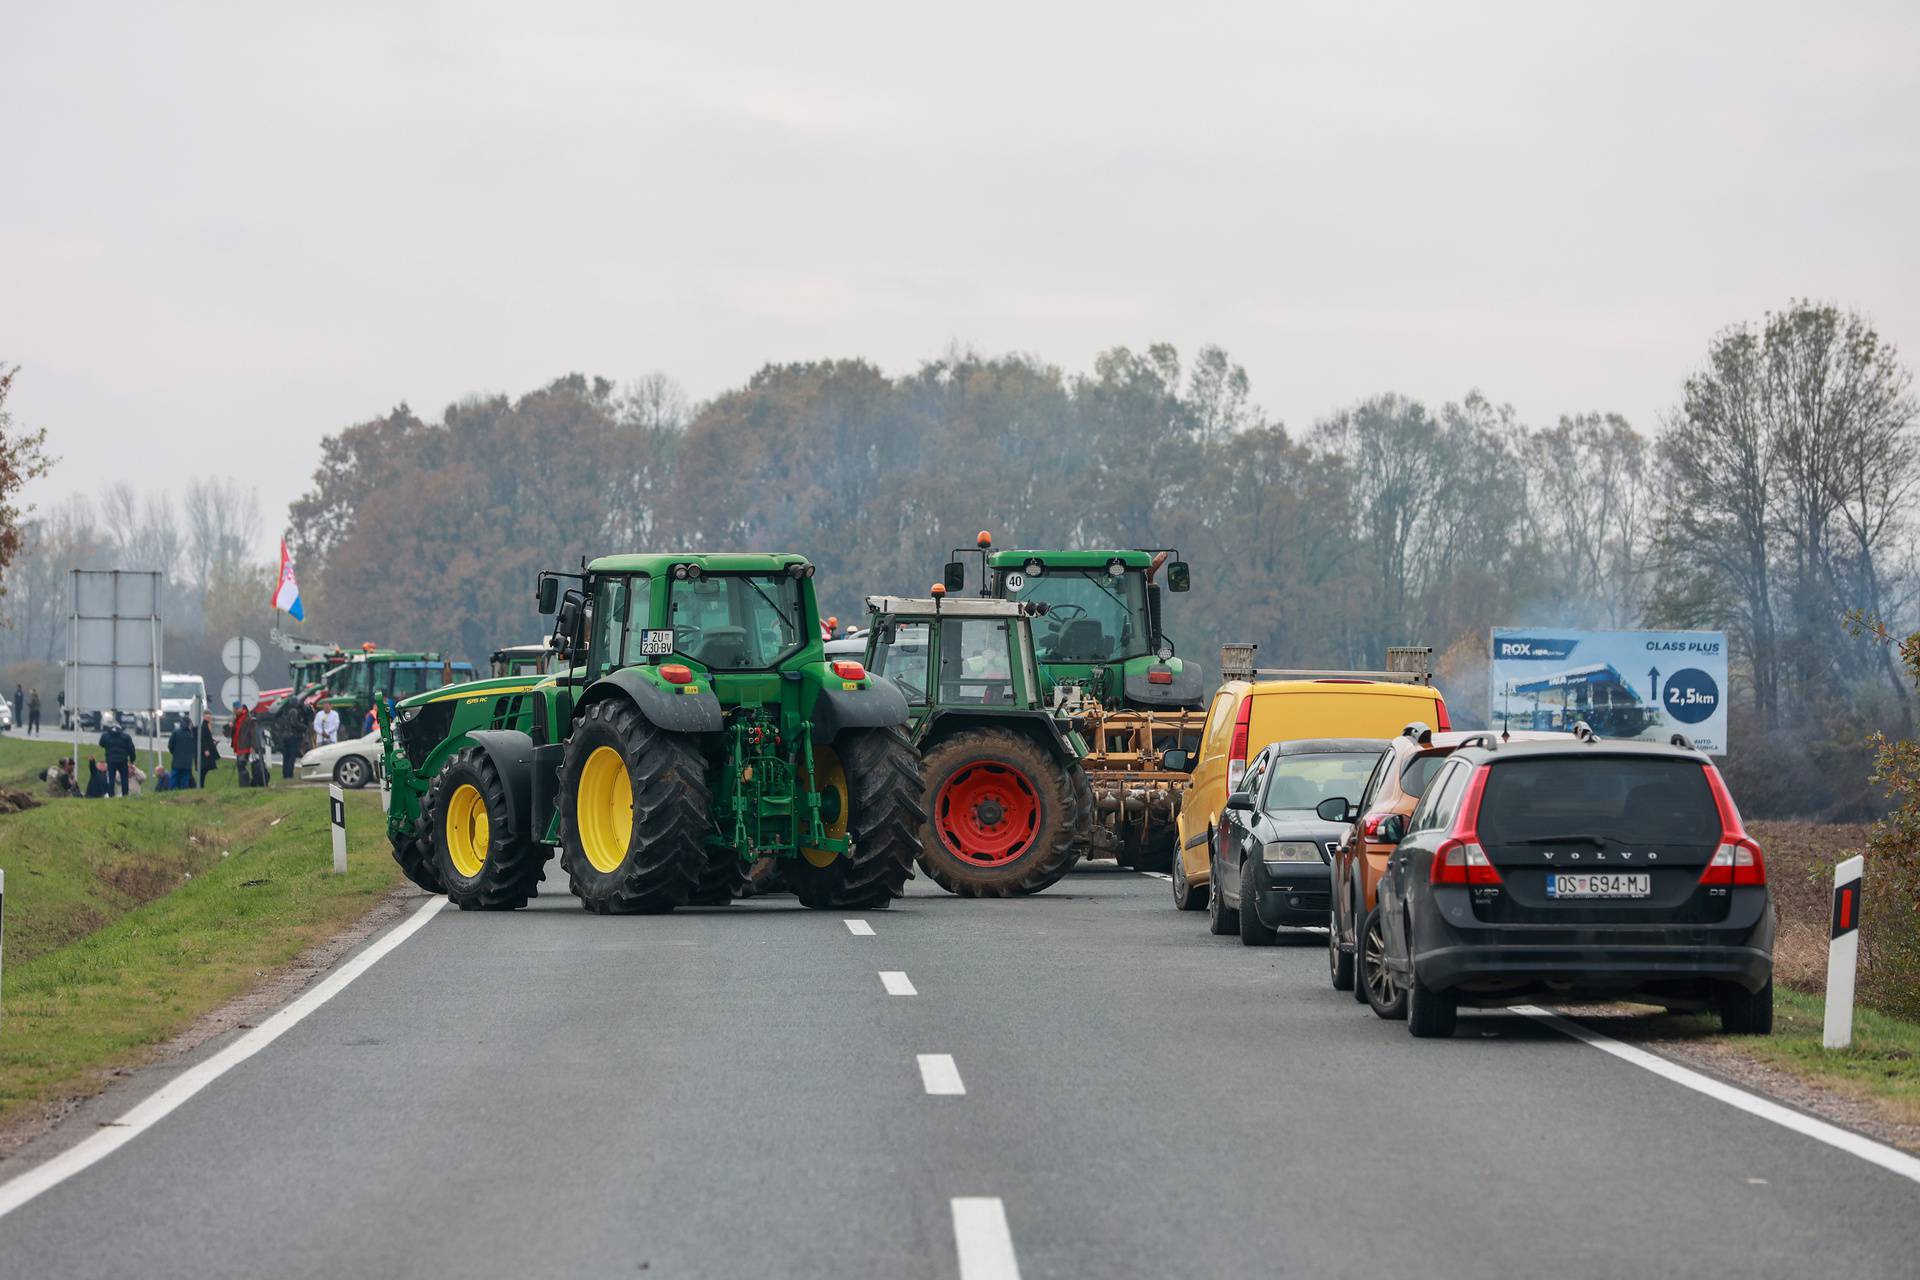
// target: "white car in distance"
[[348, 763]]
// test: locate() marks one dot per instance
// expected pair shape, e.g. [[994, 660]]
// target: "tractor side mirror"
[[1179, 576], [566, 624], [956, 576], [1176, 761], [549, 595], [1242, 800], [1334, 809]]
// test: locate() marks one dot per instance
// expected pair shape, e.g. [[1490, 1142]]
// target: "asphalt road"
[[735, 1093]]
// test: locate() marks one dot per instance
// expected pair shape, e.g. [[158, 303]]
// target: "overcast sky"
[[226, 232]]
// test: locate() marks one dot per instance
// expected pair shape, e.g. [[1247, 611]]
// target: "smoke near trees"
[[1779, 495]]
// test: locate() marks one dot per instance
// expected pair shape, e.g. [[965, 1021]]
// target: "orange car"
[[1360, 859]]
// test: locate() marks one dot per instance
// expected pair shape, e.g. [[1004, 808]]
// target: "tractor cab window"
[[413, 677], [1092, 615], [736, 621], [606, 624], [974, 661], [638, 612], [900, 654]]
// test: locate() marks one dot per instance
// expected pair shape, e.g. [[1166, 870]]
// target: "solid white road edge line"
[[155, 1107], [980, 1234], [939, 1074], [860, 928], [1157, 875], [896, 983], [1888, 1158]]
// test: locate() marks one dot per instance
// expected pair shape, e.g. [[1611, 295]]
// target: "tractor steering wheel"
[[1067, 612]]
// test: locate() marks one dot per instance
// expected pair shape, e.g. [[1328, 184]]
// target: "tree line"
[[1775, 502]]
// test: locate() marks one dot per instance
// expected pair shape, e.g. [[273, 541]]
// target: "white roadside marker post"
[[1843, 953], [337, 803]]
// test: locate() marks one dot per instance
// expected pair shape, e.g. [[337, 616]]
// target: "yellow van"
[[1247, 715]]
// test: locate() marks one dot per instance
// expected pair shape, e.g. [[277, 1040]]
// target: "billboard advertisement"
[[1646, 685]]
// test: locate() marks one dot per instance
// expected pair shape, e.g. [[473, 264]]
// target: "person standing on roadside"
[[326, 726], [242, 742], [289, 735], [118, 747], [33, 712], [182, 745], [209, 746], [19, 705]]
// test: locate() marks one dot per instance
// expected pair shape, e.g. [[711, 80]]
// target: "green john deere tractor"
[[697, 728], [1102, 630], [1009, 808]]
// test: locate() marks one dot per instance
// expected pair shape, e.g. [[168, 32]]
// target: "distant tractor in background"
[[1105, 658]]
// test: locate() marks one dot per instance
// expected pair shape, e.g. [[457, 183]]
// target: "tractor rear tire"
[[414, 853], [641, 844], [1151, 850], [878, 782], [1033, 810], [722, 880], [482, 866], [1088, 825]]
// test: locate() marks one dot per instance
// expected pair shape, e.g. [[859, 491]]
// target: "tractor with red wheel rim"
[[1009, 807]]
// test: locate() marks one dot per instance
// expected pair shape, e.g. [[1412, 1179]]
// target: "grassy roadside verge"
[[128, 919]]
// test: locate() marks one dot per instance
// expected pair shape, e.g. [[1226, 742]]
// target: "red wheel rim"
[[987, 814]]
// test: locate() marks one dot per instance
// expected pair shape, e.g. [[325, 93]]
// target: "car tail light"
[[1440, 714], [1462, 862], [1460, 859], [847, 669], [1160, 675], [1738, 859], [1237, 752], [674, 673], [1736, 862]]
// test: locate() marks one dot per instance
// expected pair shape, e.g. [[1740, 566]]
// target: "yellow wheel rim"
[[830, 781], [468, 831], [603, 809]]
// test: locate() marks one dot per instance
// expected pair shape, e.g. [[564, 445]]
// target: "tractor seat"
[[1082, 640], [724, 648]]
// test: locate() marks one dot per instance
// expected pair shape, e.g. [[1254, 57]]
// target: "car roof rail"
[[1584, 731], [1419, 732], [1488, 739], [1681, 741]]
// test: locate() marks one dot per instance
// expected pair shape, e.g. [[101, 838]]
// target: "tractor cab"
[[1101, 626], [947, 652]]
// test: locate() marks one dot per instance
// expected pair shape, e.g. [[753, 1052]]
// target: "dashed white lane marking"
[[940, 1076], [896, 983], [980, 1234], [157, 1105], [1888, 1158], [1157, 875], [860, 928]]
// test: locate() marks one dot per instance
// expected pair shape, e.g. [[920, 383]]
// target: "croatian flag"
[[286, 596]]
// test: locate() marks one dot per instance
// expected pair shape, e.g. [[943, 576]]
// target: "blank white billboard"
[[113, 640]]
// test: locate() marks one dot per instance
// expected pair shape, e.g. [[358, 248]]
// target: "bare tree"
[[222, 528]]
